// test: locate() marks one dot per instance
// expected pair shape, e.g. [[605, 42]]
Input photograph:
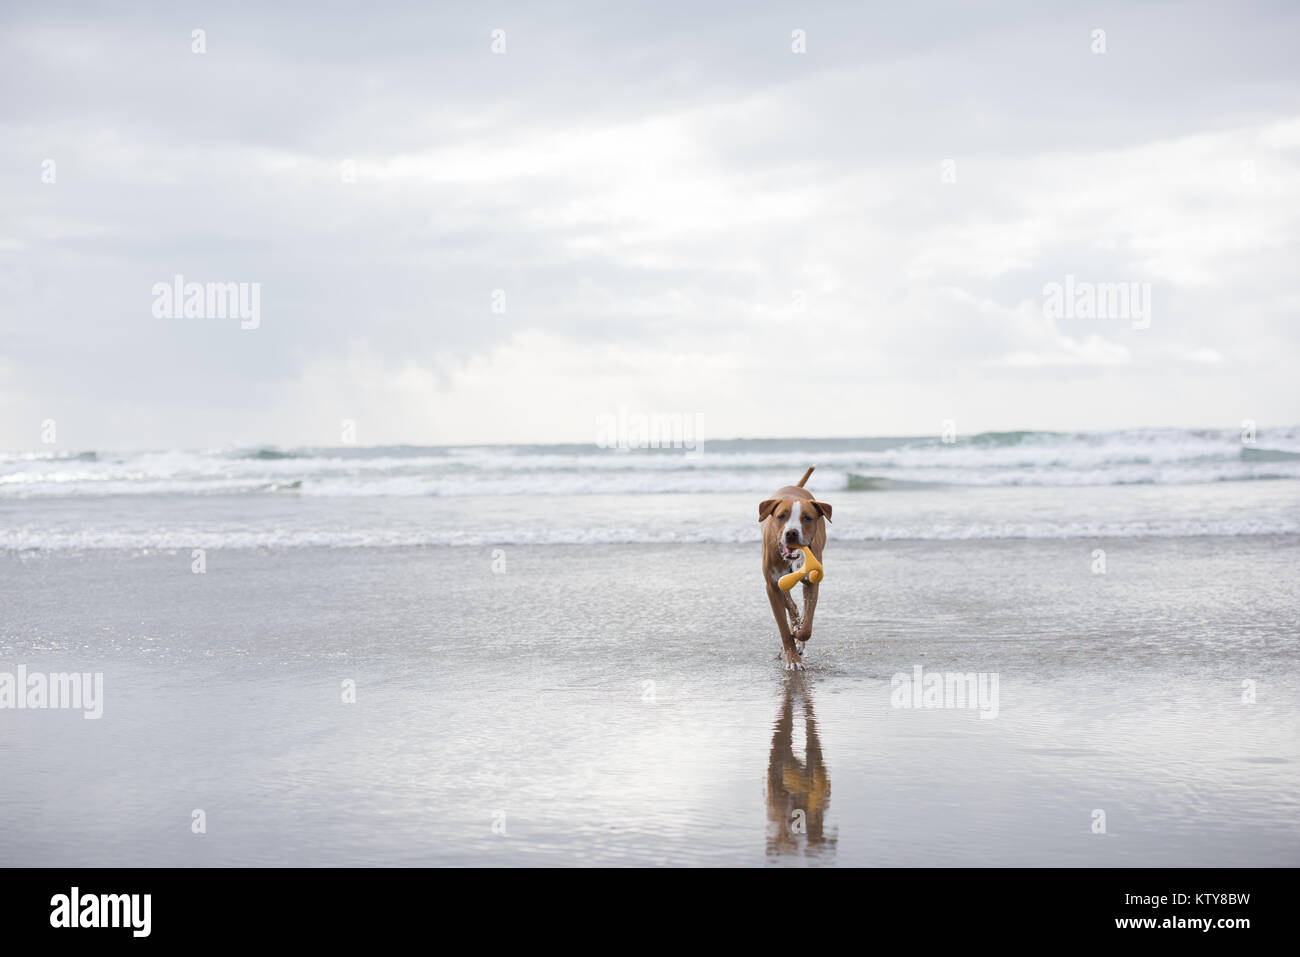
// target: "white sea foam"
[[1162, 483], [1159, 456], [641, 533]]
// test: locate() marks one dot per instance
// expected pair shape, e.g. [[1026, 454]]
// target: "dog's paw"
[[798, 646], [792, 663]]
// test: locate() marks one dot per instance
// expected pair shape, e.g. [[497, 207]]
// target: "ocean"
[[1163, 482]]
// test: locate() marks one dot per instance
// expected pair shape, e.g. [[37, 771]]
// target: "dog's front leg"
[[777, 599], [792, 610], [804, 631]]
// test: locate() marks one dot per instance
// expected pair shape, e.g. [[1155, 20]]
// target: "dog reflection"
[[798, 791]]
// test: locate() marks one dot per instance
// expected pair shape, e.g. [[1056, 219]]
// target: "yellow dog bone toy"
[[811, 567]]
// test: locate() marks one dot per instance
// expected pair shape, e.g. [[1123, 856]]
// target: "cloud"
[[678, 211]]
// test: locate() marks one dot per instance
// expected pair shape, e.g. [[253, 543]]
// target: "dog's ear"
[[823, 510], [767, 508]]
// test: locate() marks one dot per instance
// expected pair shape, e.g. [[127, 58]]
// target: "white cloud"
[[653, 229]]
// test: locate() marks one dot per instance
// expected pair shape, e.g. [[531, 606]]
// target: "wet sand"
[[624, 704]]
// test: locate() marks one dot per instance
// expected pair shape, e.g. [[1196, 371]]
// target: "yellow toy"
[[811, 567]]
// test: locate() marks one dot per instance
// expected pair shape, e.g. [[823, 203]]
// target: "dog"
[[792, 517]]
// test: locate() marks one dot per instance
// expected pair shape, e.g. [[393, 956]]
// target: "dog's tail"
[[799, 484]]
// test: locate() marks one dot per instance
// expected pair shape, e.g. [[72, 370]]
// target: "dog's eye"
[[807, 518], [783, 516]]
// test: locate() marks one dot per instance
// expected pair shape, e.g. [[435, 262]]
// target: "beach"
[[623, 705], [397, 405]]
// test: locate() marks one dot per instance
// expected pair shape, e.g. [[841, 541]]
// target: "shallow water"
[[624, 705], [137, 522]]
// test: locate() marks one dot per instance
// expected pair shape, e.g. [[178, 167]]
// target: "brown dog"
[[792, 517]]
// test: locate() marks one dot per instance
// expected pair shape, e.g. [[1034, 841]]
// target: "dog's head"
[[793, 522]]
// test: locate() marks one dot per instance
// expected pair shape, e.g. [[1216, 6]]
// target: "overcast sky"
[[684, 216]]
